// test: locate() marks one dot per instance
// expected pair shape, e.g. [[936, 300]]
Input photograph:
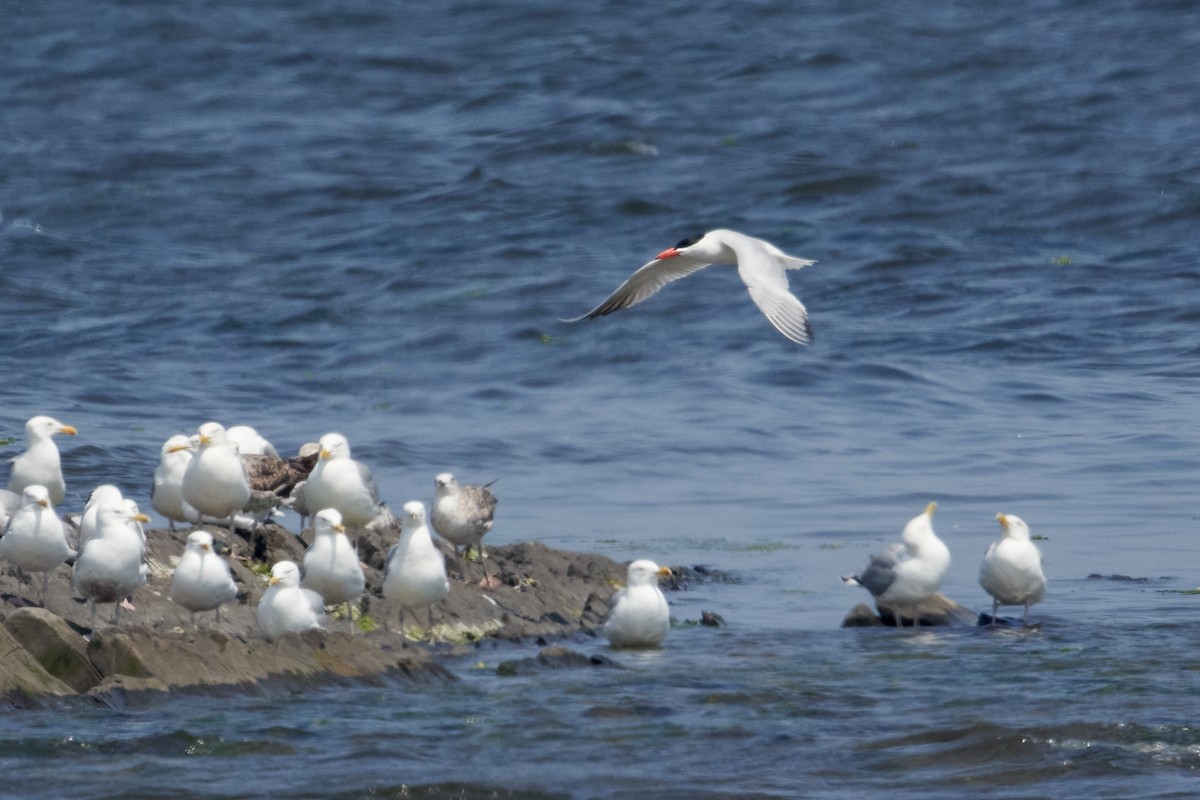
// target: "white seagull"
[[109, 566], [285, 607], [1011, 571], [166, 494], [415, 573], [104, 494], [40, 463], [331, 567], [905, 574], [761, 265], [640, 616], [338, 481], [34, 538], [202, 580], [215, 482]]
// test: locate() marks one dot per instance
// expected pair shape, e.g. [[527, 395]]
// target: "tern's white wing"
[[645, 282], [762, 269]]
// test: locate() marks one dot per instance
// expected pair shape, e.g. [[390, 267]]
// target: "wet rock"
[[553, 657], [711, 619], [157, 648], [56, 646], [938, 610]]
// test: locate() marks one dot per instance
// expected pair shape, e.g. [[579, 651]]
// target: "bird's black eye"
[[688, 242]]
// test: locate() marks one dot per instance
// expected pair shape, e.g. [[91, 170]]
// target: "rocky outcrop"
[[937, 610], [51, 652]]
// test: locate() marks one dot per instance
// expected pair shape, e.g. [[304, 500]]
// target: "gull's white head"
[[334, 445], [644, 572], [1013, 526], [445, 484], [328, 522], [177, 444], [199, 542], [35, 495], [285, 574], [43, 427], [211, 434], [118, 511], [415, 511], [104, 493], [920, 527]]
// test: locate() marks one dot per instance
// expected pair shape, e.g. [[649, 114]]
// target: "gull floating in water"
[[415, 573], [109, 566], [286, 607], [462, 515], [202, 580], [1011, 571], [34, 538], [761, 265], [331, 566], [215, 482], [166, 494], [908, 572], [640, 616], [338, 481], [40, 463]]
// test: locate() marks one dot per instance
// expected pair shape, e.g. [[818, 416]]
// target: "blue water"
[[371, 217]]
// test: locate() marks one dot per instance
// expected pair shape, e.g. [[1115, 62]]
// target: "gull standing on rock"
[[1011, 571], [166, 495], [202, 580], [215, 482], [415, 573], [331, 567], [105, 493], [287, 608], [761, 265], [338, 481], [40, 463], [907, 573], [640, 616], [34, 538], [109, 566], [462, 515]]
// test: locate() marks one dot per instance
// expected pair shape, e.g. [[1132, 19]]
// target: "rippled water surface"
[[371, 218]]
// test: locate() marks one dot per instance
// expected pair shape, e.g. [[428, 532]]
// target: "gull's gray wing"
[[645, 282]]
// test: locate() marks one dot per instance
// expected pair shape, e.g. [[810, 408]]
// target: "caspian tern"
[[761, 265]]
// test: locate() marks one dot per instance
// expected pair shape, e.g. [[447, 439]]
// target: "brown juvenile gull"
[[907, 572], [202, 580], [215, 482], [273, 479], [1011, 571], [761, 265], [338, 481], [462, 515], [166, 493], [34, 537], [40, 463]]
